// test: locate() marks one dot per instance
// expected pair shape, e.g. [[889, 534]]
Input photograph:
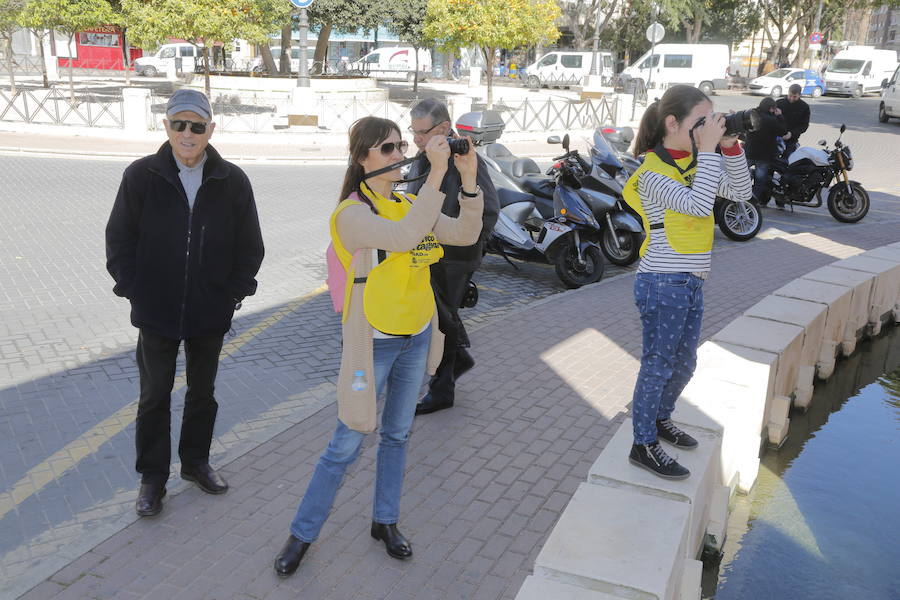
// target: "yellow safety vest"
[[398, 299], [686, 234]]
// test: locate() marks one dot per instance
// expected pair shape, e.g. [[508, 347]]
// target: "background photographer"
[[450, 276], [762, 148], [796, 115]]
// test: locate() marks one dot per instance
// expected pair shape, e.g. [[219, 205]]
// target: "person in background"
[[762, 148], [796, 115]]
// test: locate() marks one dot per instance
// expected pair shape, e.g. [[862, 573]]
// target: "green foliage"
[[492, 23], [10, 16], [406, 18], [67, 16], [346, 15]]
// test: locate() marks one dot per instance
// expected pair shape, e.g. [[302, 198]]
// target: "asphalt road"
[[66, 345]]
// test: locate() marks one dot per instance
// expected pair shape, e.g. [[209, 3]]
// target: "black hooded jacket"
[[183, 270], [762, 144]]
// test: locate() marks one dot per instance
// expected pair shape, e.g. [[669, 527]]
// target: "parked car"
[[704, 66], [393, 63], [566, 69], [158, 62], [859, 70], [889, 107], [777, 82]]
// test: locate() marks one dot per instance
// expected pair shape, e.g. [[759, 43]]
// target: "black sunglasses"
[[387, 148], [181, 125]]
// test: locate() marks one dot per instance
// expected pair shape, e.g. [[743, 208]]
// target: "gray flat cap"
[[192, 100]]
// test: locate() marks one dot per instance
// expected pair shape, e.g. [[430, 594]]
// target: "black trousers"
[[156, 356], [449, 280]]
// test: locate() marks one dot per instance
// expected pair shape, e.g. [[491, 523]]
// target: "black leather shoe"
[[149, 500], [397, 545], [464, 362], [290, 556], [205, 477], [429, 405]]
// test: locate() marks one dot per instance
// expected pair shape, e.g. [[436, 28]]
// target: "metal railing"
[[556, 114], [56, 107], [22, 64]]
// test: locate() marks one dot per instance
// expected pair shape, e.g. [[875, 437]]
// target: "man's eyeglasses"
[[426, 132], [388, 148], [181, 124]]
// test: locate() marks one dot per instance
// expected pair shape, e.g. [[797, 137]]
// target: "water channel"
[[823, 520]]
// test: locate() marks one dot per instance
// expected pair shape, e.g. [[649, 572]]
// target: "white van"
[[393, 63], [158, 62], [704, 66], [889, 107], [561, 68], [859, 69]]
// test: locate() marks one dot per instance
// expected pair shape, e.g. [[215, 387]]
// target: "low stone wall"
[[629, 534]]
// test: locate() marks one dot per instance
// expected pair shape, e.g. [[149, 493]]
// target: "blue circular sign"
[[302, 3]]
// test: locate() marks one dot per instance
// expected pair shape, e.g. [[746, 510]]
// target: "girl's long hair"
[[679, 101], [366, 133]]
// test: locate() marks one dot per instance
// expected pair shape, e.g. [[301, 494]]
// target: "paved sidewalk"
[[486, 481]]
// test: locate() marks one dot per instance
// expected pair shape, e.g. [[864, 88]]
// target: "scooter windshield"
[[603, 155]]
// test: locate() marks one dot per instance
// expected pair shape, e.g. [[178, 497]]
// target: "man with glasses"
[[450, 276], [183, 245], [796, 114]]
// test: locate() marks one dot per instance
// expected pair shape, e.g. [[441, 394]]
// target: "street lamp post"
[[595, 59], [302, 68]]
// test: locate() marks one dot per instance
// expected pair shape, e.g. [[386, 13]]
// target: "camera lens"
[[458, 145], [745, 121]]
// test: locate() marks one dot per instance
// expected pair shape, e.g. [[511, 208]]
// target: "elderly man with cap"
[[183, 245]]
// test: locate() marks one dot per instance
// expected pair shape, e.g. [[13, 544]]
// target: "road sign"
[[655, 33], [302, 3], [816, 38]]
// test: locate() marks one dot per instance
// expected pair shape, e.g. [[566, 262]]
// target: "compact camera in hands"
[[458, 145]]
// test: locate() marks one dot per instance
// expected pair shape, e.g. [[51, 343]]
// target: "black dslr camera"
[[745, 121], [458, 145]]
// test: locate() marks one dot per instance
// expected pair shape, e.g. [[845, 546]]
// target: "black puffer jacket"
[[183, 270]]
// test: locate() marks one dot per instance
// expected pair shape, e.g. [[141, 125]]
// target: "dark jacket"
[[183, 270], [450, 186], [762, 144], [796, 115]]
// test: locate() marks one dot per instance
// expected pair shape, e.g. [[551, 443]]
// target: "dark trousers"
[[762, 175], [156, 356], [449, 280]]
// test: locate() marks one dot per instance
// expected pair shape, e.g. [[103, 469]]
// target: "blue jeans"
[[671, 307], [399, 369], [762, 175]]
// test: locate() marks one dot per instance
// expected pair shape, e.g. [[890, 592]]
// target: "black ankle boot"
[[397, 545], [290, 556]]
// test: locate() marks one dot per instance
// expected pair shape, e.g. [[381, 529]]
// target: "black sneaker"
[[669, 432], [653, 458]]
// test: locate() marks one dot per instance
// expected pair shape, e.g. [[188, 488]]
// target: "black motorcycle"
[[801, 179]]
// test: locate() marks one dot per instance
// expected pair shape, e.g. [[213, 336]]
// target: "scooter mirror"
[[843, 128], [565, 142], [823, 143], [553, 139]]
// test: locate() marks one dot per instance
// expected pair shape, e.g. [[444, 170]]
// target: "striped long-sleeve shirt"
[[659, 193]]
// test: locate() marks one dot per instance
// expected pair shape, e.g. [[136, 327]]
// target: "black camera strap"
[[397, 165], [664, 156]]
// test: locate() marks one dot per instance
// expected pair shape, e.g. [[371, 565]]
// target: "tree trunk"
[[9, 64], [286, 51], [887, 26], [268, 60], [71, 69], [40, 39], [206, 87], [416, 74], [321, 49], [612, 9], [127, 60], [489, 67]]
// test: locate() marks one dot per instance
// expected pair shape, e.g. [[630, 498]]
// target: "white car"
[[889, 107], [777, 82]]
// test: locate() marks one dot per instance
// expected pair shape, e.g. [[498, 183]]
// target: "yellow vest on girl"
[[398, 299], [686, 234]]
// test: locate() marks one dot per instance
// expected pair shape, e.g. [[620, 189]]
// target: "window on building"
[[678, 61], [570, 61], [106, 40], [893, 35]]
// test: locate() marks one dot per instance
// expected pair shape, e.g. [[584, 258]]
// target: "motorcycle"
[[800, 180], [739, 221], [556, 230]]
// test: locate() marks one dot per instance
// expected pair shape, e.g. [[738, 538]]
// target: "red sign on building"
[[100, 48]]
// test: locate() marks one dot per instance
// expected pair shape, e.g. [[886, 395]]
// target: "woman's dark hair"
[[364, 134], [679, 101], [766, 105]]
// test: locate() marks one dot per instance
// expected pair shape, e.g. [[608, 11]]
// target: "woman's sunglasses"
[[181, 124], [388, 148]]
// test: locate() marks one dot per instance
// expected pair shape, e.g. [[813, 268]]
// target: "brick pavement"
[[485, 483]]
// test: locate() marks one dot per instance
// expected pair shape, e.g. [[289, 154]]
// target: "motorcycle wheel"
[[739, 221], [627, 250], [848, 206], [574, 274]]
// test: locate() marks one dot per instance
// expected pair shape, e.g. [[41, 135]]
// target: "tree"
[[581, 17], [341, 15], [406, 18], [491, 25], [10, 17], [203, 22], [68, 17]]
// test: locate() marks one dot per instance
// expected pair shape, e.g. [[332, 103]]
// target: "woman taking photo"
[[675, 190], [385, 241]]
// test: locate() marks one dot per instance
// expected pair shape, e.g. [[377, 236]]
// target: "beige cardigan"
[[359, 228]]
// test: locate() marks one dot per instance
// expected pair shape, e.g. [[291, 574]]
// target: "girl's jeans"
[[671, 307], [399, 368]]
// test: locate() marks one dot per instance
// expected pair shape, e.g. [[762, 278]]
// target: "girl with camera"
[[674, 191], [386, 242]]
